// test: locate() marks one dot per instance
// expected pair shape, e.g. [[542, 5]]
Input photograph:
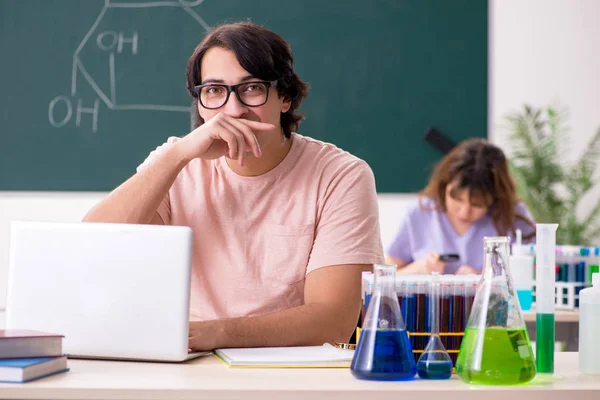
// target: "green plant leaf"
[[550, 187], [589, 158]]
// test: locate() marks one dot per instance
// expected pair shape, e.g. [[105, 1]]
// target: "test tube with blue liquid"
[[408, 307], [384, 352], [434, 363], [367, 292], [400, 293], [583, 266], [593, 265], [421, 313], [521, 268]]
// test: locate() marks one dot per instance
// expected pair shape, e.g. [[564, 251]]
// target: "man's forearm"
[[137, 200], [306, 325]]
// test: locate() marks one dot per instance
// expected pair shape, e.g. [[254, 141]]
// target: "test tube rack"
[[456, 299], [574, 268]]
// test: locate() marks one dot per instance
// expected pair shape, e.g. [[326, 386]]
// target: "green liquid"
[[499, 357], [544, 343], [592, 270]]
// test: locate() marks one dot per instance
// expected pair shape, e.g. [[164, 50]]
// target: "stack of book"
[[27, 355]]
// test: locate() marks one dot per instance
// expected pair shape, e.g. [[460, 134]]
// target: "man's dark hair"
[[264, 54]]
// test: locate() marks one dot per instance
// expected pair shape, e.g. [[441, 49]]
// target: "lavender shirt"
[[424, 231]]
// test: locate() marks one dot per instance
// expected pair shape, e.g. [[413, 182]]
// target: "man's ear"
[[285, 105]]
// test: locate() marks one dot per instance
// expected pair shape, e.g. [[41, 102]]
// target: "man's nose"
[[234, 108]]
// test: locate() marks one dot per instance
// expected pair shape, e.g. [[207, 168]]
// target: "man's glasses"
[[251, 94]]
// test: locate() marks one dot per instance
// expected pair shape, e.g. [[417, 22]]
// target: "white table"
[[208, 378]]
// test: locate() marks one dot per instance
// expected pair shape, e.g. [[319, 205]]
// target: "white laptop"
[[116, 291]]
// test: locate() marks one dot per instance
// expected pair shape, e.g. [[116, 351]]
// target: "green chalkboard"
[[89, 88]]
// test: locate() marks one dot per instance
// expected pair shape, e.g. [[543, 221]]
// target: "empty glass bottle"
[[496, 349], [383, 351]]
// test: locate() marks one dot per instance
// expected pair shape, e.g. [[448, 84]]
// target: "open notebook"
[[325, 356]]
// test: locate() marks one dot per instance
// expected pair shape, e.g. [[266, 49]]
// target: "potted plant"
[[550, 187]]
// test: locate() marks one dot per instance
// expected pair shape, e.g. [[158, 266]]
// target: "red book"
[[20, 343]]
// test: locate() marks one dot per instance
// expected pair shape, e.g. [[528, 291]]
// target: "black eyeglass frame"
[[234, 88]]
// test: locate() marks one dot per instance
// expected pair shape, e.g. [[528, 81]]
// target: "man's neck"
[[273, 153]]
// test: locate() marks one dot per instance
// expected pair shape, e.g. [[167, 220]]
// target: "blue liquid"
[[383, 355], [580, 272], [403, 308], [580, 277], [408, 313], [525, 299], [434, 369]]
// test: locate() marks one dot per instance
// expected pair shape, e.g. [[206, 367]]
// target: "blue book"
[[20, 370]]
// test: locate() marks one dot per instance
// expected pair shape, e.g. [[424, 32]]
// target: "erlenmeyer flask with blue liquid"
[[384, 352]]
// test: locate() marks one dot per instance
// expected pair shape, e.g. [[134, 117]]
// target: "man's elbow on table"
[[333, 293]]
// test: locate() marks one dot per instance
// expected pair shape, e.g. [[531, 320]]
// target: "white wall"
[[34, 206], [546, 52]]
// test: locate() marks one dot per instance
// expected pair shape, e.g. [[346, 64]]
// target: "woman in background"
[[470, 195]]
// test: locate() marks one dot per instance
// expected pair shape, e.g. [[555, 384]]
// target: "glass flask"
[[384, 352], [496, 349], [435, 362]]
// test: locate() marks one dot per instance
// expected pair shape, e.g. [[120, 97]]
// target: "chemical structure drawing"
[[124, 59]]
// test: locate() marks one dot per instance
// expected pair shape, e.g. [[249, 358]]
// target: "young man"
[[283, 224]]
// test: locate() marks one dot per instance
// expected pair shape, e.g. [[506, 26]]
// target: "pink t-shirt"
[[256, 238]]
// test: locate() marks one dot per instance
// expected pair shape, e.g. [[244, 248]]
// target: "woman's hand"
[[431, 263], [223, 135]]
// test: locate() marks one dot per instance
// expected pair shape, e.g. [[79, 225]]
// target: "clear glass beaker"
[[434, 362], [384, 352], [496, 349]]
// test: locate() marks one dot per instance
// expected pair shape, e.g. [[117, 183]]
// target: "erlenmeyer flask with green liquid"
[[496, 349]]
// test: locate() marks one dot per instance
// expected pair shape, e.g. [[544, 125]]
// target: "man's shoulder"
[[157, 151], [327, 156]]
